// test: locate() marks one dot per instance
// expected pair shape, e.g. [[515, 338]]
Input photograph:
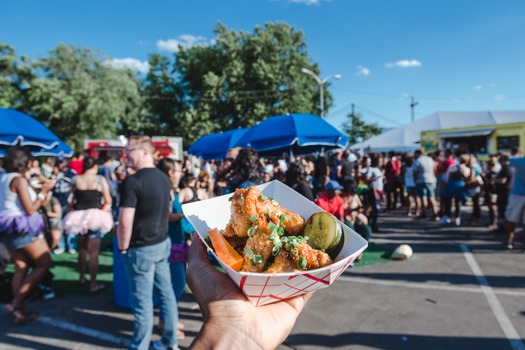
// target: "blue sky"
[[451, 55]]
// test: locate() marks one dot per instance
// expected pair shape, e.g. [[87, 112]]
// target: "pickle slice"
[[323, 230]]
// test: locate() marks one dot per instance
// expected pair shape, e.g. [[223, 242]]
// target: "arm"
[[57, 211], [125, 227], [105, 193], [21, 187], [230, 320], [174, 217]]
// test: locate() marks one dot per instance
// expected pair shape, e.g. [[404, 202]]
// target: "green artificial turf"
[[66, 274], [374, 254]]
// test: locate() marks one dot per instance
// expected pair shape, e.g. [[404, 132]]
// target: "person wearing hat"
[[331, 200]]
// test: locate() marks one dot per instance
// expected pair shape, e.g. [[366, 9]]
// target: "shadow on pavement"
[[396, 341]]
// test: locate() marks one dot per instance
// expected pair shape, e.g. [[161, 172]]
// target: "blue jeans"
[[68, 240], [148, 267]]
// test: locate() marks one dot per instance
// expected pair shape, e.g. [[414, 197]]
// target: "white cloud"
[[184, 40], [499, 98], [478, 87], [404, 64], [128, 63], [363, 71]]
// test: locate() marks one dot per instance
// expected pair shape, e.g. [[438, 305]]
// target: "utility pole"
[[412, 105], [353, 108]]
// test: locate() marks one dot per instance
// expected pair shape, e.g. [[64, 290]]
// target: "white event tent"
[[406, 137]]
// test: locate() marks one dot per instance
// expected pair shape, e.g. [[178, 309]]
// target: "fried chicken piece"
[[314, 258], [290, 261], [237, 243], [249, 207], [283, 263], [256, 216], [257, 252], [254, 219]]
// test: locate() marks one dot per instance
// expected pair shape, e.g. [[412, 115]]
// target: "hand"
[[230, 320], [48, 185]]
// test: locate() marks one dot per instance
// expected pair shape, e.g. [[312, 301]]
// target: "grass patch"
[[373, 255], [65, 270]]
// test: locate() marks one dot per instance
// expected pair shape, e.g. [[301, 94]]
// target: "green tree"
[[78, 96], [242, 78], [162, 98], [357, 130], [14, 77]]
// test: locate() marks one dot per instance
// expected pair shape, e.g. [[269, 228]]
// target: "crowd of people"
[[68, 205]]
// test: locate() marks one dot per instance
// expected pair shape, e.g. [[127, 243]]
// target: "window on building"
[[506, 143]]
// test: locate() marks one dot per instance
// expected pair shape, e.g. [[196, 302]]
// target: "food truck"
[[481, 139], [165, 146]]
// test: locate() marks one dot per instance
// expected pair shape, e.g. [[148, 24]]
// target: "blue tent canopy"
[[215, 146], [21, 129], [293, 133]]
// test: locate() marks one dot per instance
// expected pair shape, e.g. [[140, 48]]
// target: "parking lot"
[[460, 290]]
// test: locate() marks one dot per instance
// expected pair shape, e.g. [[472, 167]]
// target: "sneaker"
[[444, 220], [159, 345], [509, 246], [72, 251], [458, 221], [46, 292], [58, 251]]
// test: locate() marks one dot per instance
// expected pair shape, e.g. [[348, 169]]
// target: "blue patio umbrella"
[[293, 134], [21, 129], [215, 146]]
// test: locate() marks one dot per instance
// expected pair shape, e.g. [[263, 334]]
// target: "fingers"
[[198, 253]]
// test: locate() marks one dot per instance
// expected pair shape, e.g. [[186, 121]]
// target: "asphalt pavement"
[[460, 290]]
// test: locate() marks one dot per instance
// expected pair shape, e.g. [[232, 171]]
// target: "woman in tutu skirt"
[[90, 219], [22, 230]]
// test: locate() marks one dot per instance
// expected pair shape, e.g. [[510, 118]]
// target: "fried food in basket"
[[268, 237]]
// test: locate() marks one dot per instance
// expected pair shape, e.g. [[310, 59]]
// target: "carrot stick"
[[224, 250]]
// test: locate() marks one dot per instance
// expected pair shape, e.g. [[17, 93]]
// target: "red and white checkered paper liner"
[[262, 288]]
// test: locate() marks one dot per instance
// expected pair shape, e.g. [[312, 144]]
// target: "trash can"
[[120, 278]]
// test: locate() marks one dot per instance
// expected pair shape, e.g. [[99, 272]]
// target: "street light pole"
[[321, 83]]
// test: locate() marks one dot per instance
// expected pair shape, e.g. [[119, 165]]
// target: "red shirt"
[[77, 165], [334, 206]]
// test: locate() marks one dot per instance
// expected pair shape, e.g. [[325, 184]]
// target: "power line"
[[368, 111], [443, 98]]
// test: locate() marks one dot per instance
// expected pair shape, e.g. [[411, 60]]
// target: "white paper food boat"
[[262, 288]]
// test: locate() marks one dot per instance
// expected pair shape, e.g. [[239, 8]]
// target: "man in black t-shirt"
[[143, 241]]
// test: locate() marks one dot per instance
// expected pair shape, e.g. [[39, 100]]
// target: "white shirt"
[[9, 201]]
